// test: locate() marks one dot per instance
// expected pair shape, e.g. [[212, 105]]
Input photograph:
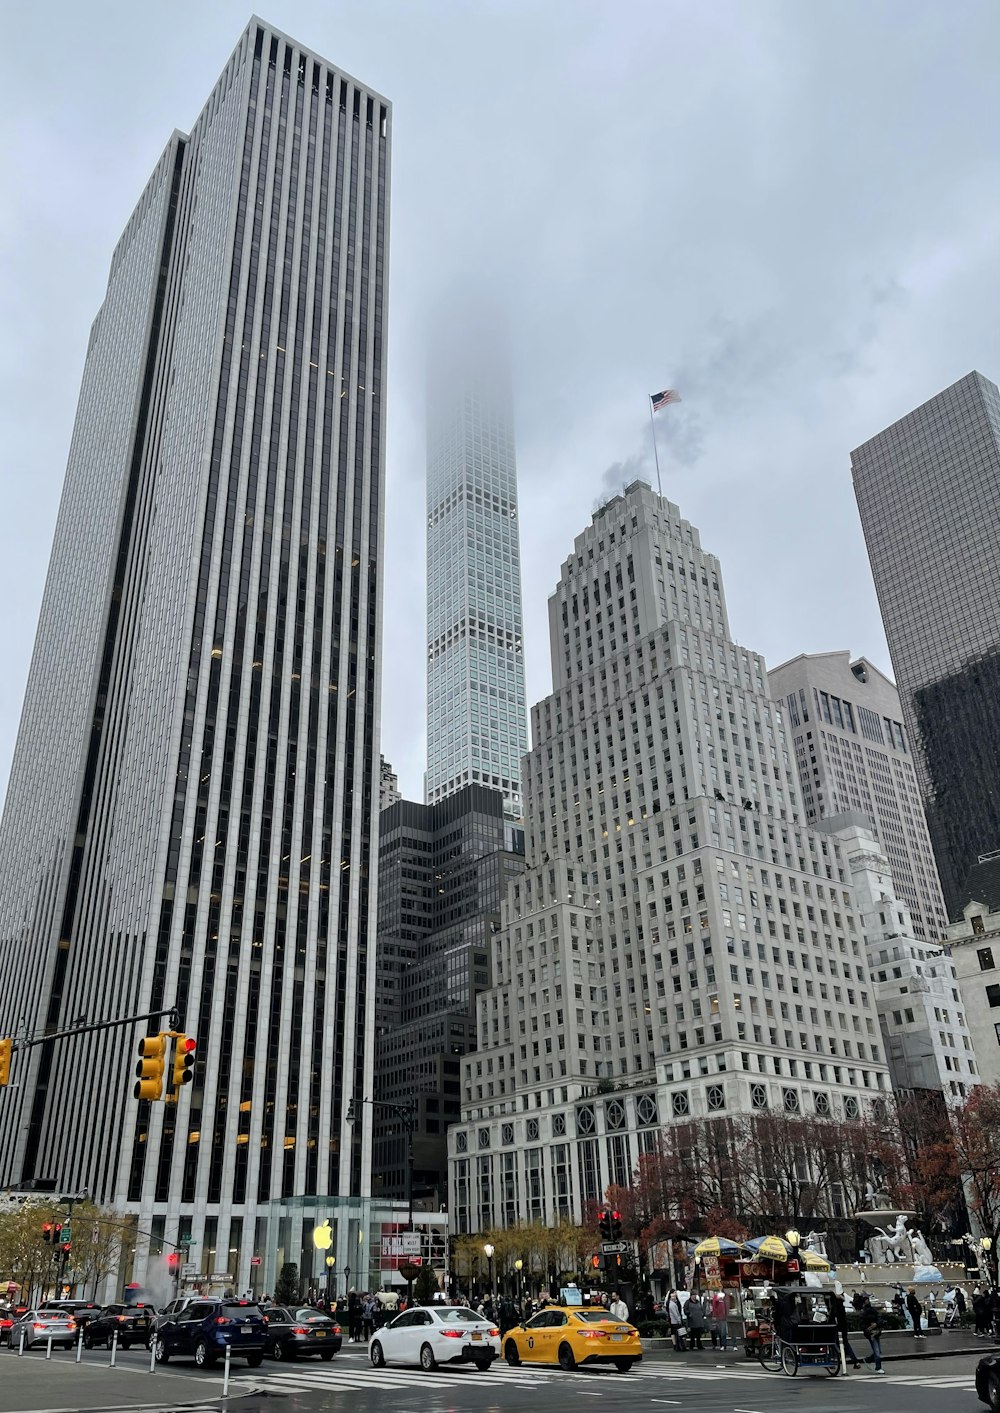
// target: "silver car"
[[39, 1326]]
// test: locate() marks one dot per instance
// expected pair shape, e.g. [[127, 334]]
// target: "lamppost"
[[519, 1267], [794, 1240], [407, 1116], [986, 1243], [331, 1261], [488, 1250]]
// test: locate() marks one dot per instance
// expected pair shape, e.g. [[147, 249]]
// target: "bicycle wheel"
[[789, 1360], [769, 1354]]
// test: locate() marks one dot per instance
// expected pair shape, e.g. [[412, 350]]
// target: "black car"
[[82, 1311], [205, 1329], [988, 1380], [133, 1323], [300, 1330]]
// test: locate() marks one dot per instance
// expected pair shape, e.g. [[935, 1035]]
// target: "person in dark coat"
[[839, 1310], [980, 1311], [915, 1310], [694, 1313]]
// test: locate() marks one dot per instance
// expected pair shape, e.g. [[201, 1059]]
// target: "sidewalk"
[[896, 1345], [33, 1384]]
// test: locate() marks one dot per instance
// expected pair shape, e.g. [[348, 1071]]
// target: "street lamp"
[[407, 1116], [519, 1267], [488, 1251], [986, 1243], [331, 1261]]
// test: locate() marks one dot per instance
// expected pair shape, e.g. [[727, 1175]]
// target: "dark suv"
[[133, 1323], [207, 1328]]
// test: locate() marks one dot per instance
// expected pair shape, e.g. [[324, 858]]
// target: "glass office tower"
[[476, 714], [190, 809], [928, 489]]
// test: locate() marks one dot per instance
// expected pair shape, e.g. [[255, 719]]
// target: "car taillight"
[[493, 1331], [591, 1334], [453, 1334], [121, 1319], [336, 1329], [221, 1320], [40, 1327], [299, 1329]]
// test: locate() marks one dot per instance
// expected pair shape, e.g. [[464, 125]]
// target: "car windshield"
[[459, 1312], [594, 1317], [308, 1316]]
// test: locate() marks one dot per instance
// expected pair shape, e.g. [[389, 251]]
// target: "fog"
[[786, 211]]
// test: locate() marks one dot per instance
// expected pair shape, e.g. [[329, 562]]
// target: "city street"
[[662, 1383]]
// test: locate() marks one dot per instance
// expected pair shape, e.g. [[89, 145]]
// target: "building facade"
[[189, 818], [388, 785], [975, 949], [927, 1040], [927, 493], [476, 717], [680, 944], [852, 755], [443, 871]]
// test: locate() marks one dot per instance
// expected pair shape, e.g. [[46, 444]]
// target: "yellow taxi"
[[570, 1335]]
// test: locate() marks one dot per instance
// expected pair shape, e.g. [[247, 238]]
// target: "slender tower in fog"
[[477, 728], [190, 810]]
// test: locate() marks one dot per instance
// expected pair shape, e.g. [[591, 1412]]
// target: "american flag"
[[664, 399]]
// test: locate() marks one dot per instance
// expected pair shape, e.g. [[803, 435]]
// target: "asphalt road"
[[349, 1385]]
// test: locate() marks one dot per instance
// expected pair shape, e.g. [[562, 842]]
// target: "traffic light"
[[149, 1070], [595, 1262], [57, 1234], [184, 1049], [173, 1263], [616, 1226], [67, 1247], [47, 1231], [6, 1050], [604, 1225]]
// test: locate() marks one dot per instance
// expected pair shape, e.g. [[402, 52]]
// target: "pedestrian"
[[871, 1327], [618, 1310], [980, 1311], [694, 1314], [840, 1320], [718, 1310], [915, 1311], [994, 1313], [960, 1303], [353, 1316], [675, 1318], [508, 1315], [368, 1306]]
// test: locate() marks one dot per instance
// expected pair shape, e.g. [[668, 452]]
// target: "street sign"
[[613, 1248], [255, 1260], [190, 1268]]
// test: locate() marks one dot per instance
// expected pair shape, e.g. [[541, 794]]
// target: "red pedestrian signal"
[[173, 1261], [47, 1231], [67, 1248]]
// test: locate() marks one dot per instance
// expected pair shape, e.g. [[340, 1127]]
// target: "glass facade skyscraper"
[[928, 490], [190, 808], [476, 714]]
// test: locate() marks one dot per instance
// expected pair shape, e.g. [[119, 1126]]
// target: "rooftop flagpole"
[[656, 401]]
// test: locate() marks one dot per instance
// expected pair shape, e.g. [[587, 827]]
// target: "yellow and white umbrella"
[[716, 1246], [813, 1261]]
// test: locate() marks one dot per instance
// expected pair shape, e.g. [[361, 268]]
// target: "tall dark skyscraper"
[[928, 489], [190, 809]]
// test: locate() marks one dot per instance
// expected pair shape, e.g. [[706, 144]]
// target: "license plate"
[[616, 1337], [476, 1334], [246, 1329], [320, 1334]]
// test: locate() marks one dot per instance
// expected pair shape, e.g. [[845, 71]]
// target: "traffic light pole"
[[29, 1042]]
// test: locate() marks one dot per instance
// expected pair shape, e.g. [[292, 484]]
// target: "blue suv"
[[207, 1328]]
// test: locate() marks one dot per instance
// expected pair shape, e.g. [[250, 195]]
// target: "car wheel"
[[203, 1356], [376, 1355], [623, 1365], [162, 1357], [282, 1351], [255, 1360], [427, 1360], [123, 1344], [88, 1342], [566, 1359], [510, 1354], [326, 1355], [993, 1393]]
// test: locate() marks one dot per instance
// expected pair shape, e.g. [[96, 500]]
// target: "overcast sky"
[[788, 211]]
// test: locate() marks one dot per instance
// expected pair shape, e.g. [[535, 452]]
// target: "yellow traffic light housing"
[[184, 1049], [6, 1050], [149, 1070]]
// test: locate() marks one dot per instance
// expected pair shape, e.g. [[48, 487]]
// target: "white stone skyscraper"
[[190, 809], [476, 716], [680, 944]]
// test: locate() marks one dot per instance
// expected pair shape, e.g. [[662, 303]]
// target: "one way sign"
[[613, 1248]]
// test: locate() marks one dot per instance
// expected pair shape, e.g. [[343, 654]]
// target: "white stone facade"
[[678, 932], [975, 951]]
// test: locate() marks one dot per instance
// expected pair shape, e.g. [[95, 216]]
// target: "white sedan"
[[436, 1334]]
